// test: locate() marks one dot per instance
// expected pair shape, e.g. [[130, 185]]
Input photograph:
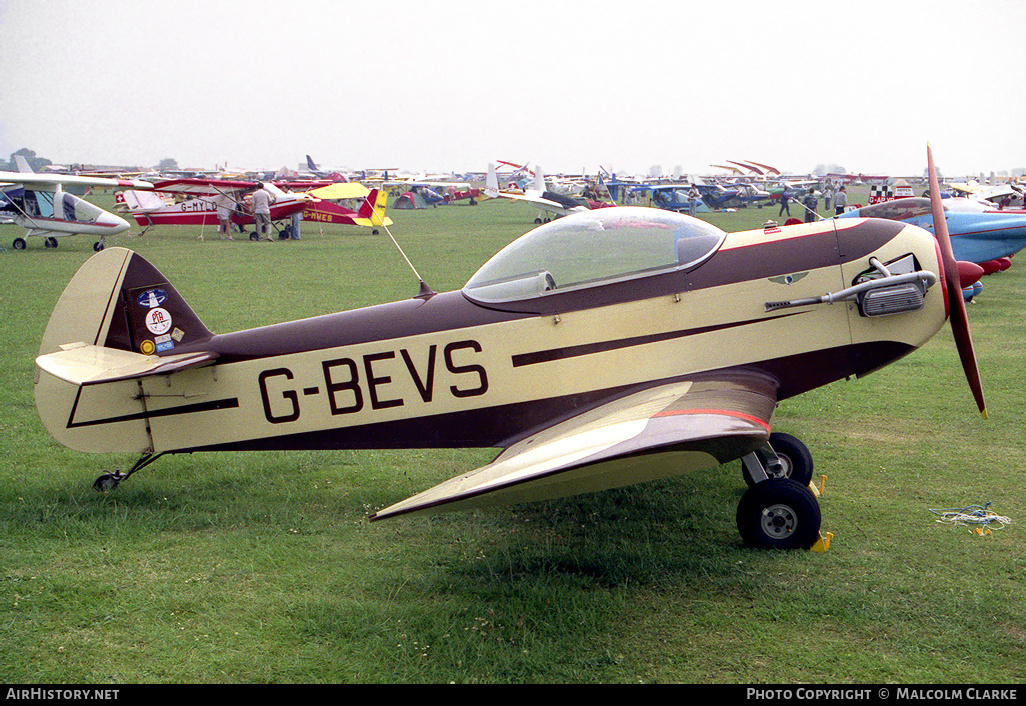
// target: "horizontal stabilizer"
[[84, 364]]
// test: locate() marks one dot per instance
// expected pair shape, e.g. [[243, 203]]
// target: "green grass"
[[262, 567]]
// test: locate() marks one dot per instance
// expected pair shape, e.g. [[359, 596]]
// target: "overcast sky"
[[452, 85]]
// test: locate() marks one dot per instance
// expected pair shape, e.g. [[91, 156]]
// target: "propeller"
[[956, 304]]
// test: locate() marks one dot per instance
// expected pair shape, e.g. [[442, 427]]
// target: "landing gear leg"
[[784, 456], [111, 480]]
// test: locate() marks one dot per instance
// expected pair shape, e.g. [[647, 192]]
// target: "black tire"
[[19, 243], [779, 514], [97, 246], [793, 455]]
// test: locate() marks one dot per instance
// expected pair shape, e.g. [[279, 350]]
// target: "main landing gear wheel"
[[779, 513], [98, 246], [50, 242], [19, 243], [790, 458]]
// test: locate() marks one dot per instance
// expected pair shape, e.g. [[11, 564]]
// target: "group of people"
[[811, 202], [260, 199]]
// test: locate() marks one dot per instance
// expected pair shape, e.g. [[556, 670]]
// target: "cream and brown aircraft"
[[607, 348]]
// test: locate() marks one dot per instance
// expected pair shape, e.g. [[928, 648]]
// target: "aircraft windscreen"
[[897, 209], [592, 248], [76, 209]]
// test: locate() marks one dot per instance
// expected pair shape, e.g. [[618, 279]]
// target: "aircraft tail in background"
[[373, 208]]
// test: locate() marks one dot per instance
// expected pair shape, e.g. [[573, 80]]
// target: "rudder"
[[373, 207]]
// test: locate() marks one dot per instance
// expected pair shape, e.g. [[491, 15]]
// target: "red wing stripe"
[[727, 412]]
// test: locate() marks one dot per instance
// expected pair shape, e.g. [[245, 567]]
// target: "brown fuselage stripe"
[[227, 403], [546, 356], [455, 310]]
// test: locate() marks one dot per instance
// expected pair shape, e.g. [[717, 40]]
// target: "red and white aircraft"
[[193, 202]]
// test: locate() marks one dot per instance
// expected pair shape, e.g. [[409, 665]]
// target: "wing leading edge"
[[660, 432]]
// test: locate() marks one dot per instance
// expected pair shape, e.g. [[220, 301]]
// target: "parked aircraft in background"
[[548, 203], [980, 232], [44, 205], [318, 173], [435, 193], [329, 206], [192, 202]]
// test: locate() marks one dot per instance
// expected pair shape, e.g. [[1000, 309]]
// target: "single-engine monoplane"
[[348, 203], [44, 206], [195, 202], [549, 203], [607, 348]]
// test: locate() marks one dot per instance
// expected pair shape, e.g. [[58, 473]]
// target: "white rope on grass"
[[976, 517]]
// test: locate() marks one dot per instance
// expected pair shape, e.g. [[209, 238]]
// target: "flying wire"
[[424, 288]]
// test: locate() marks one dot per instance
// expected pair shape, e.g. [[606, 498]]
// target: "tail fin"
[[492, 183], [117, 321], [119, 300], [539, 179], [375, 213]]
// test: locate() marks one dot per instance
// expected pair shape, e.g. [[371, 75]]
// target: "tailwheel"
[[108, 481], [779, 513], [112, 479]]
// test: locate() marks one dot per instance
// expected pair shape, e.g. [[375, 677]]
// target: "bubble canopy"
[[593, 248]]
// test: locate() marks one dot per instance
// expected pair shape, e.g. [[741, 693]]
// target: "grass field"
[[262, 567]]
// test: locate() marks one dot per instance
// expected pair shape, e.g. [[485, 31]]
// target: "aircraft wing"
[[342, 190], [663, 431], [202, 187], [30, 180]]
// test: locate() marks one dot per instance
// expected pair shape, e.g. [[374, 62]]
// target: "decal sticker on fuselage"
[[788, 279], [152, 298], [158, 321]]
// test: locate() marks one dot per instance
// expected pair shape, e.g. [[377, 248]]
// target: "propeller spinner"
[[956, 304]]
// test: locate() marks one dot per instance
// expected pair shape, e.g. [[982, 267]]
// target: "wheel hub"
[[779, 521]]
